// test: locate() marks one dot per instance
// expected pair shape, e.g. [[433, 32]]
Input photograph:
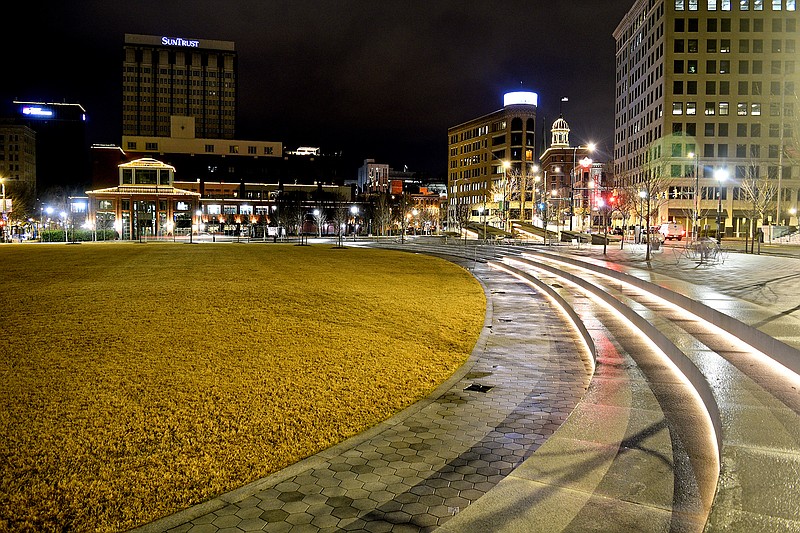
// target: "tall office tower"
[[706, 99], [164, 77], [491, 159]]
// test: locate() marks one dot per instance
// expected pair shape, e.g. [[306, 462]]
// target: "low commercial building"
[[145, 203]]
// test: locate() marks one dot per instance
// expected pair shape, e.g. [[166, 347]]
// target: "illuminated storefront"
[[145, 203]]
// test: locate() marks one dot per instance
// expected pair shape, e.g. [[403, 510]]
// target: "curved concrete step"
[[759, 426]]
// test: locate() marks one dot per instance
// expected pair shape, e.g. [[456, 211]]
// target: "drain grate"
[[478, 375], [477, 387]]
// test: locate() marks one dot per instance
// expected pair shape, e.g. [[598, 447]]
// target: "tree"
[[341, 214], [400, 215], [654, 182], [320, 219], [292, 212], [758, 192], [461, 214], [381, 211]]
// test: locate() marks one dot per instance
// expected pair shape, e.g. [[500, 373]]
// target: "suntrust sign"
[[179, 41]]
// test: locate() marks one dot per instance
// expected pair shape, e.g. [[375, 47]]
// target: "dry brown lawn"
[[139, 379]]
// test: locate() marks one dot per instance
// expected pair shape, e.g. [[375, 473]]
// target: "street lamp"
[[354, 212], [506, 166], [198, 213], [573, 175], [642, 196], [64, 219], [720, 175], [696, 221], [5, 216]]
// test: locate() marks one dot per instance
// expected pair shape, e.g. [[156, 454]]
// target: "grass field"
[[139, 379]]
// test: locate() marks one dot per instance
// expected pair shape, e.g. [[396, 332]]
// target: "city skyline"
[[373, 82]]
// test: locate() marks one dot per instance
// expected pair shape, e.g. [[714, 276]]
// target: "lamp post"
[[198, 213], [720, 175], [354, 212], [64, 222], [506, 166], [589, 148], [696, 221], [642, 196], [5, 215], [49, 211]]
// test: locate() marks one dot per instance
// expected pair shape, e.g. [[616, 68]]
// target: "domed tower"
[[560, 133]]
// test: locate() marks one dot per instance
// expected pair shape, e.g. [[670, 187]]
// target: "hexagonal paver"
[[291, 496], [230, 520], [252, 524], [276, 515]]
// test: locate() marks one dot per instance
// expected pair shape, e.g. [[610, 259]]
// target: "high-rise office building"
[[706, 98], [491, 159], [163, 77]]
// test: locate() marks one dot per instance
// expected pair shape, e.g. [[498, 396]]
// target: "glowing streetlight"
[[506, 166], [721, 174], [354, 212], [696, 228], [642, 196]]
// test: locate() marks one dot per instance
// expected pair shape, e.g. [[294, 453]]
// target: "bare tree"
[[382, 210], [759, 193], [654, 183], [461, 214], [320, 219], [341, 214]]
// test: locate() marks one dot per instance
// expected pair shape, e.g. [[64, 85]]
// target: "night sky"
[[379, 79]]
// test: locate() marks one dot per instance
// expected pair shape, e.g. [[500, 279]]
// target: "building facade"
[[491, 162], [373, 177], [706, 111], [144, 204], [62, 157], [17, 165], [570, 181], [164, 77]]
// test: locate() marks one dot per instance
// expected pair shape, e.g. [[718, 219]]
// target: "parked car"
[[672, 230]]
